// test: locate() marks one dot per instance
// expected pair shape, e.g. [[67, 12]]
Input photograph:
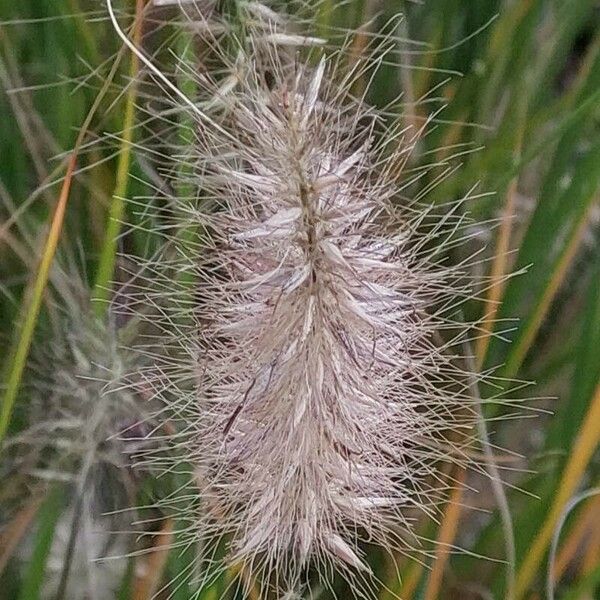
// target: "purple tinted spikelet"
[[307, 376], [322, 400]]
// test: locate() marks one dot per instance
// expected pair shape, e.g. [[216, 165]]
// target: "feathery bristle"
[[314, 396]]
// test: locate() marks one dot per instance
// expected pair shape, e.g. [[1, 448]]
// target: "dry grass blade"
[[16, 529], [541, 310], [583, 449], [446, 536], [33, 309], [581, 530], [498, 274], [411, 581], [591, 559], [570, 506], [149, 571]]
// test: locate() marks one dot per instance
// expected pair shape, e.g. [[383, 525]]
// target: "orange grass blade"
[[591, 558], [411, 581], [585, 445], [149, 572], [498, 273], [446, 537], [31, 315], [16, 529], [576, 538], [517, 356]]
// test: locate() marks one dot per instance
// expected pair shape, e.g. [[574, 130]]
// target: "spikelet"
[[305, 368], [82, 427], [81, 420]]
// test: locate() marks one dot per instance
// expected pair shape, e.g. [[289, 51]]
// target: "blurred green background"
[[521, 84]]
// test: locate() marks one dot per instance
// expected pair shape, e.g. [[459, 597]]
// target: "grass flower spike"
[[83, 428], [307, 375]]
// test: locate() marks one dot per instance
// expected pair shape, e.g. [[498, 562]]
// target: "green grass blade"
[[108, 255], [17, 365], [48, 517]]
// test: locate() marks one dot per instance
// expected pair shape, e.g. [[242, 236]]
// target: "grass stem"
[[108, 254]]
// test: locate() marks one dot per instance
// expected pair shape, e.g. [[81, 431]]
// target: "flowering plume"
[[82, 427], [314, 396], [79, 428]]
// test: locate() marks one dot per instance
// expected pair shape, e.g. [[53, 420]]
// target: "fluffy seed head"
[[83, 425], [308, 376]]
